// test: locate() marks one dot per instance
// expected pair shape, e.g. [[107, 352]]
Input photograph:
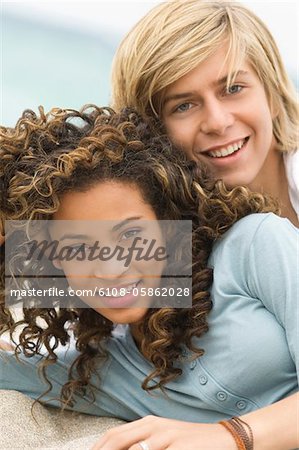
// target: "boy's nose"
[[216, 118]]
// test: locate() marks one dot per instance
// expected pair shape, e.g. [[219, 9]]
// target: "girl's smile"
[[113, 214]]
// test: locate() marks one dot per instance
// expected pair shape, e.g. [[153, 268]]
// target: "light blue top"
[[251, 350]]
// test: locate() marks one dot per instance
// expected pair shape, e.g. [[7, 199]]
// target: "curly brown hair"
[[47, 155]]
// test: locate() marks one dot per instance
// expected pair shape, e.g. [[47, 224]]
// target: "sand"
[[47, 428]]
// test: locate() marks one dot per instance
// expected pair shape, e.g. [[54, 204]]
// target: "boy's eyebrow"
[[224, 79], [179, 96], [183, 95]]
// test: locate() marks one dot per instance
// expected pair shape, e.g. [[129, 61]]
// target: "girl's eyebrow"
[[124, 222], [116, 227], [73, 236]]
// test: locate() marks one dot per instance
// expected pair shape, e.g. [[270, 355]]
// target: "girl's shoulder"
[[257, 231], [259, 254], [261, 223]]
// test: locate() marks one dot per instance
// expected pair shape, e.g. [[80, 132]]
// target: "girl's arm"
[[274, 427]]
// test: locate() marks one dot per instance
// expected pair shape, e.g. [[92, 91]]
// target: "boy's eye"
[[183, 107], [234, 89]]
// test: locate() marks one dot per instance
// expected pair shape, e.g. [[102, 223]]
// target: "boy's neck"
[[275, 183]]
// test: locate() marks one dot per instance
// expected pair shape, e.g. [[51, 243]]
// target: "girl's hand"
[[161, 434]]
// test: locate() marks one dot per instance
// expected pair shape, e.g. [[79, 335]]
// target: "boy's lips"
[[226, 149]]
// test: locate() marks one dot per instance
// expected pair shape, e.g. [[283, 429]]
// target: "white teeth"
[[225, 151], [115, 293], [130, 289]]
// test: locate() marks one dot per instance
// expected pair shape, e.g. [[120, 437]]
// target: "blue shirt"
[[251, 349]]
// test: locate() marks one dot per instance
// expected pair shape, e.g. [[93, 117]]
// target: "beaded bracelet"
[[242, 436], [239, 425]]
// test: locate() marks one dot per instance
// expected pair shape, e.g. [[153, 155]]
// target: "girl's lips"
[[123, 301]]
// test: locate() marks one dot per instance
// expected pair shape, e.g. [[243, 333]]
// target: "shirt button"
[[222, 396], [203, 379], [241, 404], [193, 364]]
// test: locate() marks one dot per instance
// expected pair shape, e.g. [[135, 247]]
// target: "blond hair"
[[176, 36]]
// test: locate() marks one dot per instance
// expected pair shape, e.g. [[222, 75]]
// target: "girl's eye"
[[78, 246], [234, 89], [183, 107], [129, 234], [74, 249]]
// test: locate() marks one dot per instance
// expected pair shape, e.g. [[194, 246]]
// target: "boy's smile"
[[230, 130]]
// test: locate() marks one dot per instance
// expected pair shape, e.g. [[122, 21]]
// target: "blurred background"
[[59, 53]]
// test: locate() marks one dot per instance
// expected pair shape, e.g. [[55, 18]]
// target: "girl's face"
[[110, 215], [228, 130]]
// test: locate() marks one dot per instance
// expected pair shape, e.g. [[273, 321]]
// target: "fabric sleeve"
[[273, 275], [21, 374]]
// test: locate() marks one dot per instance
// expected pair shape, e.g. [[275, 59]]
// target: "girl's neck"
[[136, 333]]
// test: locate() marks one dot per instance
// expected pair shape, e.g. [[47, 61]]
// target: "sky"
[[43, 42], [115, 18]]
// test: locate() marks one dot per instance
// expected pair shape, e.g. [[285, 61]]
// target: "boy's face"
[[229, 131], [110, 215]]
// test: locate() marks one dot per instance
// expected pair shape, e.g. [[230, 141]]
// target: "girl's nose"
[[110, 267]]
